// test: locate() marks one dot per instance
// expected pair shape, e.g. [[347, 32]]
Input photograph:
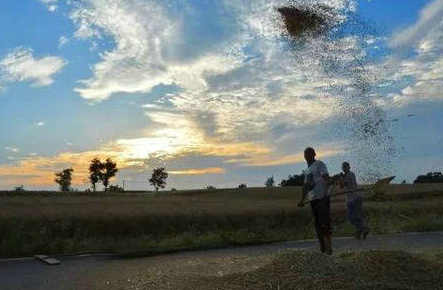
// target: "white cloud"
[[52, 5], [238, 81], [430, 17], [62, 41], [40, 124], [12, 149], [420, 76], [21, 66]]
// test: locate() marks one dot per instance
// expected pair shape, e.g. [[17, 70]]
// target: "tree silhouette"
[[293, 180], [64, 179], [270, 182], [95, 171], [158, 178], [431, 177], [109, 169]]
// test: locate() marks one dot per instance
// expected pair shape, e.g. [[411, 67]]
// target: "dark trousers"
[[321, 210], [355, 214]]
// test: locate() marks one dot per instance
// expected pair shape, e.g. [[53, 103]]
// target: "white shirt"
[[320, 190], [350, 183]]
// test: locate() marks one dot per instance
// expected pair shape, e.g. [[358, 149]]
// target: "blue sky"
[[210, 90]]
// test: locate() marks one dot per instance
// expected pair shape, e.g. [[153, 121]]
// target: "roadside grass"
[[310, 270], [142, 225]]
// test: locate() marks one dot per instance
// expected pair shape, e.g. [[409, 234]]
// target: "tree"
[[270, 182], [95, 171], [109, 169], [158, 178], [20, 188], [64, 179], [431, 177], [242, 186], [293, 180]]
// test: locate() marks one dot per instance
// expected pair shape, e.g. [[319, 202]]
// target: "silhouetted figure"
[[354, 202], [316, 189]]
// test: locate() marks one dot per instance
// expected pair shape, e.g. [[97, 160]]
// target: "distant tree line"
[[431, 177], [293, 180]]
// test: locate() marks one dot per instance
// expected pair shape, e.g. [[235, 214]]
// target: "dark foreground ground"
[[400, 261]]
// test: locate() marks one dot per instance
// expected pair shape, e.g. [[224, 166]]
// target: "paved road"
[[109, 272]]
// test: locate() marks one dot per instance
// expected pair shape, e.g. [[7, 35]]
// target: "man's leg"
[[352, 213], [325, 223], [318, 229], [360, 218]]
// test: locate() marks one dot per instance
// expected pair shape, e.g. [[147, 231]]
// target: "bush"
[[242, 186], [20, 188], [210, 187], [115, 188], [431, 177], [293, 180]]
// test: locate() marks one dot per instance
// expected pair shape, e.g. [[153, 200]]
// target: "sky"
[[214, 91]]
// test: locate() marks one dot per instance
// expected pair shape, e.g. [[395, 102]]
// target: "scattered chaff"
[[306, 21]]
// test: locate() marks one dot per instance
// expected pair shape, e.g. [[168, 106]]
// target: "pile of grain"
[[310, 270]]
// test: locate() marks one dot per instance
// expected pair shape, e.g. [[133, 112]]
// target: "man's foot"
[[365, 234], [358, 235]]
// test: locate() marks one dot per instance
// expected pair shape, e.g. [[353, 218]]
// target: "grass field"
[[58, 223]]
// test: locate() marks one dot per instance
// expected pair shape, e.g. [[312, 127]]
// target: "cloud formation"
[[21, 66], [418, 75], [52, 5]]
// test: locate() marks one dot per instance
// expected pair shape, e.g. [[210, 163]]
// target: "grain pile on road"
[[310, 270]]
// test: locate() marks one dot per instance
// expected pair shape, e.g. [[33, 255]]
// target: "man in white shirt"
[[315, 189], [354, 202]]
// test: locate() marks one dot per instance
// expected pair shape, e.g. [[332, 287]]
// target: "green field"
[[137, 223]]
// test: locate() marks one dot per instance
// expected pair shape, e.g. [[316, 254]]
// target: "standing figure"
[[354, 202], [316, 189]]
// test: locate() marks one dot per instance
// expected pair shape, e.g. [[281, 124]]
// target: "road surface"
[[110, 272]]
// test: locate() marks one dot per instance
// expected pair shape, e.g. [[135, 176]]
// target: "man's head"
[[309, 155], [346, 167]]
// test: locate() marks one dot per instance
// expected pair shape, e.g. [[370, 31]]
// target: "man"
[[354, 202], [316, 188]]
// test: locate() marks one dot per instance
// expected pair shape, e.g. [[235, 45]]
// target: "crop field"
[[137, 223]]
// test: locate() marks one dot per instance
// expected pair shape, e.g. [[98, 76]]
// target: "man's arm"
[[307, 187]]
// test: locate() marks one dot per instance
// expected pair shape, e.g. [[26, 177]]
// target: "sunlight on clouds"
[[203, 171], [21, 66], [39, 171], [272, 160]]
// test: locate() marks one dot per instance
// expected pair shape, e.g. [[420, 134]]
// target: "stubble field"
[[141, 224]]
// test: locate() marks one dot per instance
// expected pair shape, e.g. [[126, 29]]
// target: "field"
[[139, 224]]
